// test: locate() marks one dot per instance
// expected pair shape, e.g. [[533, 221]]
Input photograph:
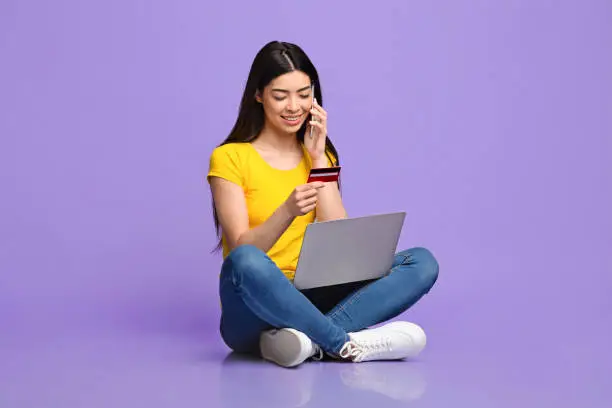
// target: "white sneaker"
[[287, 347], [393, 341]]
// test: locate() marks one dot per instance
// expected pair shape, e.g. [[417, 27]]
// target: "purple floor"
[[480, 354], [156, 371]]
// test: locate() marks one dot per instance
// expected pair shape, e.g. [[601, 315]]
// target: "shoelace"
[[318, 354], [360, 350]]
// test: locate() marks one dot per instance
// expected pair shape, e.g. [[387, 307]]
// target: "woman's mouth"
[[292, 120]]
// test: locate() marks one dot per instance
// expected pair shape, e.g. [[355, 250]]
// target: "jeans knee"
[[237, 342], [245, 261], [244, 255], [428, 267]]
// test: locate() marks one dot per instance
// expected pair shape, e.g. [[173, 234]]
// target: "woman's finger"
[[309, 202], [322, 112], [307, 194], [321, 115], [319, 125], [308, 209]]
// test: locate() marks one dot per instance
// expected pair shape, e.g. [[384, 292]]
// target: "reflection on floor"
[[122, 370]]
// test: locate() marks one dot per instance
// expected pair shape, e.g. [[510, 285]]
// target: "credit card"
[[324, 174]]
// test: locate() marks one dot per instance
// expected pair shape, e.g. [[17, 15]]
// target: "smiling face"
[[287, 101]]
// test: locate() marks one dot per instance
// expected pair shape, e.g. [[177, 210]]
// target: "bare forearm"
[[329, 205], [264, 236]]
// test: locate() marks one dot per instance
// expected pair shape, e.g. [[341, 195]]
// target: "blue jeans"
[[257, 296]]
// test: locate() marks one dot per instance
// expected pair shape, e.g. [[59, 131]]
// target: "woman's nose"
[[293, 105]]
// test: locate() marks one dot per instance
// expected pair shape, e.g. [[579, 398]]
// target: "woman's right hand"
[[303, 199]]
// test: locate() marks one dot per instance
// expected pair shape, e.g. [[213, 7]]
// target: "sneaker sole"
[[283, 348]]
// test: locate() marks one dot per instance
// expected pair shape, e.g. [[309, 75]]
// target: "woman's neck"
[[272, 138]]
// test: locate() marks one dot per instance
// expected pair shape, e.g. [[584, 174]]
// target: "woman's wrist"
[[320, 163]]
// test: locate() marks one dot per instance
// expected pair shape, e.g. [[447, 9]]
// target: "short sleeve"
[[225, 163]]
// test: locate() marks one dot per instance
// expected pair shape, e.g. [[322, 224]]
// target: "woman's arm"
[[329, 205], [234, 219]]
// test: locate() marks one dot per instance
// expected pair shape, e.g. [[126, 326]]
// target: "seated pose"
[[262, 204]]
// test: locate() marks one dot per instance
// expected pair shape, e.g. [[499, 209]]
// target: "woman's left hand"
[[315, 145]]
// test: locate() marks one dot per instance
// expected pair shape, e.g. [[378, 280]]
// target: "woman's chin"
[[291, 129]]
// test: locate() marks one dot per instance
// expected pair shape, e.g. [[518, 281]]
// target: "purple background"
[[490, 123]]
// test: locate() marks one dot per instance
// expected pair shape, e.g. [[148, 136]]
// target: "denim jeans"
[[257, 296]]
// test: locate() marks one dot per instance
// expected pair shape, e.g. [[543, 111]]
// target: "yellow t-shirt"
[[265, 189]]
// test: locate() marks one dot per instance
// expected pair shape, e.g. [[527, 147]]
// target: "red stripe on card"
[[320, 177]]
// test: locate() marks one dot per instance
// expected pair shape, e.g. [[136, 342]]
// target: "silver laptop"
[[348, 250]]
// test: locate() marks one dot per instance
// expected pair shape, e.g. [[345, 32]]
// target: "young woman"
[[262, 205]]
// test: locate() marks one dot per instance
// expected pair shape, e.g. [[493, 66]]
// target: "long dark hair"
[[273, 60]]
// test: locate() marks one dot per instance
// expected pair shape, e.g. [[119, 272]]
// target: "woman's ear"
[[258, 96]]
